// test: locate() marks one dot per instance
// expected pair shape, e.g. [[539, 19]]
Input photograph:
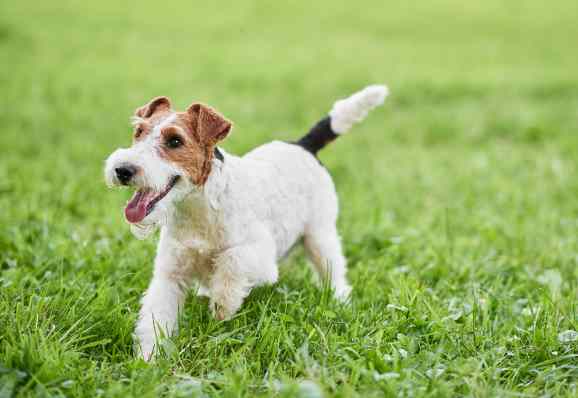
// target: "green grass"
[[459, 198]]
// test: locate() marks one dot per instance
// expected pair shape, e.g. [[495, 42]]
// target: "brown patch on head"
[[150, 114], [199, 129], [209, 124]]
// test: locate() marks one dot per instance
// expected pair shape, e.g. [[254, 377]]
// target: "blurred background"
[[481, 94], [468, 174]]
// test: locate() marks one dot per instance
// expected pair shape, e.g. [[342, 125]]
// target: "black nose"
[[125, 173]]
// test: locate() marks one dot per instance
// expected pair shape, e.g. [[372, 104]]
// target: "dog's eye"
[[138, 132], [174, 142]]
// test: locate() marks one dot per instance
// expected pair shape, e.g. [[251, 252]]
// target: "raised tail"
[[344, 114]]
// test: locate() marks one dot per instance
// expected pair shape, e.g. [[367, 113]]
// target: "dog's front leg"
[[237, 271], [163, 298]]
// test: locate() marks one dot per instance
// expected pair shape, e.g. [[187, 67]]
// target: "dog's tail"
[[344, 114]]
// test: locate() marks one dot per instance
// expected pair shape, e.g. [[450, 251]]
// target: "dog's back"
[[295, 191], [285, 186]]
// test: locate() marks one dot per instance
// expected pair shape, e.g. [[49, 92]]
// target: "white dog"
[[225, 220]]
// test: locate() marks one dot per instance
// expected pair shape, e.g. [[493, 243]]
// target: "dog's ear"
[[210, 126], [155, 105]]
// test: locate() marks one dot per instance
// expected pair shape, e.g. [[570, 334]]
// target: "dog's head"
[[170, 157]]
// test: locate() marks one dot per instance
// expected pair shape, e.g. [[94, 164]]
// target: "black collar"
[[218, 154]]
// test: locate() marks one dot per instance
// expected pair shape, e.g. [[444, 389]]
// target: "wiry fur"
[[228, 233]]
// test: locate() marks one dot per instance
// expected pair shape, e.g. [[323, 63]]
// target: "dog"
[[225, 221]]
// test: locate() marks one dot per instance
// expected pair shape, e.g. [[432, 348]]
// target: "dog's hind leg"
[[324, 249]]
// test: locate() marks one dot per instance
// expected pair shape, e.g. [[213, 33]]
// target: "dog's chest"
[[200, 237], [199, 254]]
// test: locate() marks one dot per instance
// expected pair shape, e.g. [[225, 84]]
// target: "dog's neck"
[[200, 209], [218, 177]]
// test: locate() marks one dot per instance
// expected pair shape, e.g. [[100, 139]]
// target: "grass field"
[[459, 197]]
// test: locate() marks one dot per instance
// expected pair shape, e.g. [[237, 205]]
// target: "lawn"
[[459, 208]]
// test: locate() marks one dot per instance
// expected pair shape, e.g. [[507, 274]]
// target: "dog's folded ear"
[[155, 105], [210, 126]]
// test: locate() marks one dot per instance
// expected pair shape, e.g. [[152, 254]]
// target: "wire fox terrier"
[[224, 220]]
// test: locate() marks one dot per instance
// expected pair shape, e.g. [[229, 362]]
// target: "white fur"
[[346, 112], [228, 235]]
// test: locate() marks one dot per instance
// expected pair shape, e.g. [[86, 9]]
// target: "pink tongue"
[[136, 209]]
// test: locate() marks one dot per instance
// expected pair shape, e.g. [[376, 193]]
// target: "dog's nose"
[[125, 174]]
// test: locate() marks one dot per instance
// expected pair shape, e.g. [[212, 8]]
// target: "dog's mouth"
[[144, 200]]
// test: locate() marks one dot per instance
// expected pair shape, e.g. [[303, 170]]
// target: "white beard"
[[143, 231]]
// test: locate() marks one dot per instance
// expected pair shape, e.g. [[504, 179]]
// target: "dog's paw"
[[145, 351], [342, 293], [222, 312], [219, 312]]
